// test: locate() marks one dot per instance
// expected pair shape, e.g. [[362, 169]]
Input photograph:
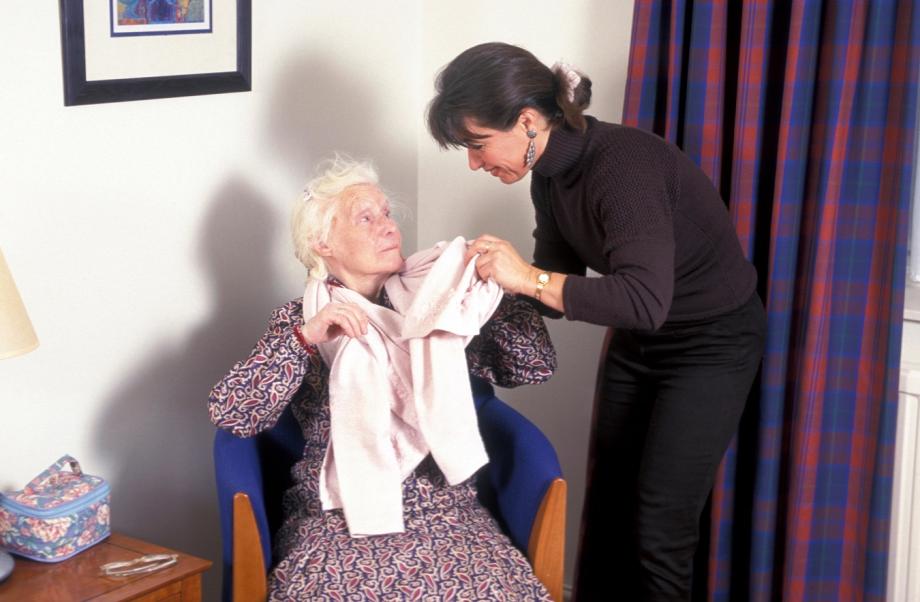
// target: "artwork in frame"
[[101, 65], [159, 17]]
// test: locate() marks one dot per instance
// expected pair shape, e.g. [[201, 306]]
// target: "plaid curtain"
[[803, 113]]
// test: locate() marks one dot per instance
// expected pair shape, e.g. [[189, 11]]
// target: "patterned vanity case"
[[58, 514]]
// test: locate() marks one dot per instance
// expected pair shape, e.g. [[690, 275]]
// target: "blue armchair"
[[521, 486]]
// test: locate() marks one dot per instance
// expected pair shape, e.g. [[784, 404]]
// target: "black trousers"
[[671, 403]]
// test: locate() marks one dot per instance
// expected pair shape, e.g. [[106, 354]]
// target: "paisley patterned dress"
[[452, 548]]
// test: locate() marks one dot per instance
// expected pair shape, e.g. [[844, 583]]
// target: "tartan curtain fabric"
[[803, 113]]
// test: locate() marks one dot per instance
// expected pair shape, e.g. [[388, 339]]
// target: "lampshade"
[[16, 333]]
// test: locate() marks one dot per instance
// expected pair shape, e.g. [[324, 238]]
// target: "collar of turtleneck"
[[563, 150]]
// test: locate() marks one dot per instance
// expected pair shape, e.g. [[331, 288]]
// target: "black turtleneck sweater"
[[636, 210]]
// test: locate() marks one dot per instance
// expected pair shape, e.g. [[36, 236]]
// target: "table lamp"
[[16, 337], [16, 333]]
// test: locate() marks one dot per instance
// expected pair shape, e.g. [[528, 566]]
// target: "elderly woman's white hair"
[[311, 220]]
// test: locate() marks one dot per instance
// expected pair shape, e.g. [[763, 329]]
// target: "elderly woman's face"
[[364, 241]]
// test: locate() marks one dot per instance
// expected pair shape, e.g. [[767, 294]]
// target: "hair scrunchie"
[[572, 78]]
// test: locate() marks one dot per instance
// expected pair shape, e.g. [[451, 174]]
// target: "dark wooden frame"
[[78, 91]]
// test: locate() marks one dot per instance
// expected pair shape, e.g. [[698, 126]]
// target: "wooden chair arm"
[[546, 549], [249, 581]]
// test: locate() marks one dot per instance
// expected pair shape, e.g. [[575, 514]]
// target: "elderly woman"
[[445, 544]]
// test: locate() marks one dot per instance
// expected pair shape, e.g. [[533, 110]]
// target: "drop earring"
[[531, 149]]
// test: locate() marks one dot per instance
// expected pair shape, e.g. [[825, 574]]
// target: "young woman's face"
[[502, 154], [364, 241]]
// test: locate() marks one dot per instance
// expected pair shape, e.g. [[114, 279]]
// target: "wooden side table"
[[78, 578]]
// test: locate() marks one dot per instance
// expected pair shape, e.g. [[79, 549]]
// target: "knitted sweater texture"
[[640, 213]]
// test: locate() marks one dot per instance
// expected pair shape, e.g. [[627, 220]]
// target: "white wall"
[[592, 35], [149, 239]]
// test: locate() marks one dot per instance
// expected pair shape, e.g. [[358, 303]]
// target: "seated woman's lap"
[[451, 544]]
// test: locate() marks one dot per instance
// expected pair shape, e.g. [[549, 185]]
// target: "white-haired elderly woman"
[[450, 546]]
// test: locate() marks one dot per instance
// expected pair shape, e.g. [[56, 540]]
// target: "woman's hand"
[[499, 260], [333, 320]]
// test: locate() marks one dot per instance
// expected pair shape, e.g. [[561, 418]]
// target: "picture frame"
[[78, 90]]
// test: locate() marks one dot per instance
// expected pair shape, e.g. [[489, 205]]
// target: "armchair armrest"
[[522, 486], [238, 471], [522, 466]]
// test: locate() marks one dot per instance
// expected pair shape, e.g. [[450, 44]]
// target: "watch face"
[[543, 278]]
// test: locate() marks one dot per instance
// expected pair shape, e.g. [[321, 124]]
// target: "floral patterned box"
[[58, 514]]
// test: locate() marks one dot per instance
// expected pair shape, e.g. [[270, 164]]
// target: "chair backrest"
[[522, 465]]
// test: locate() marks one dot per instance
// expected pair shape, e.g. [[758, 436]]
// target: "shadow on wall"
[[322, 105], [155, 424]]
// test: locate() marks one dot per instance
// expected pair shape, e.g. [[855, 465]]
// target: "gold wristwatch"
[[542, 281]]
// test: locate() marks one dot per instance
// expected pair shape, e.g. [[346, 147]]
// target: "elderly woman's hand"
[[334, 320], [499, 260]]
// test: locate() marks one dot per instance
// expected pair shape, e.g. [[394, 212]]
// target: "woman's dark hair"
[[491, 84]]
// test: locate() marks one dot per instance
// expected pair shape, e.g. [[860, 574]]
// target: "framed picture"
[[117, 50]]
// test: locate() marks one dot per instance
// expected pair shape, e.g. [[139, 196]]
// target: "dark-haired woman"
[[674, 284]]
